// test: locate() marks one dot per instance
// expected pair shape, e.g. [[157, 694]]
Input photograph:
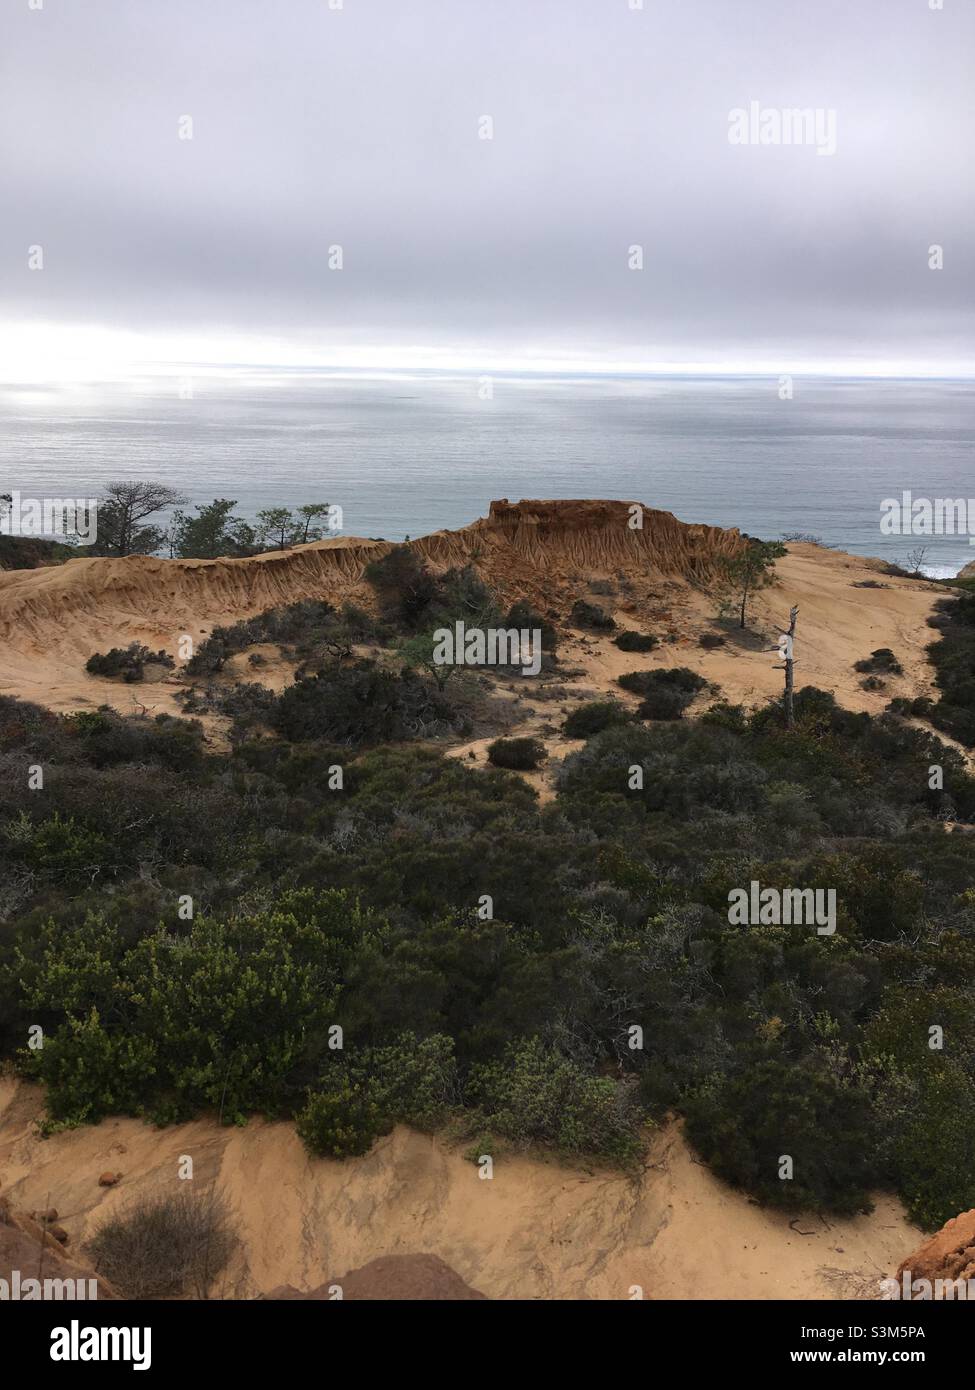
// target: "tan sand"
[[534, 1230], [52, 620]]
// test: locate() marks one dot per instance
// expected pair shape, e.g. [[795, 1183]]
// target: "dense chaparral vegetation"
[[319, 906]]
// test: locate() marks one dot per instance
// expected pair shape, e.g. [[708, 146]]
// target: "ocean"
[[405, 454]]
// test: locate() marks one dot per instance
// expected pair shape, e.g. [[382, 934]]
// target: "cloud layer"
[[359, 128]]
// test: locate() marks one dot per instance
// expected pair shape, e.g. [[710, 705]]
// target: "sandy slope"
[[839, 623], [536, 1230], [52, 620]]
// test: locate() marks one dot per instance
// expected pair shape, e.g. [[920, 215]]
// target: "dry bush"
[[165, 1244]]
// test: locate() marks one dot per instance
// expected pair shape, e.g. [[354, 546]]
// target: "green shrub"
[[523, 615], [747, 1125], [361, 705], [591, 615], [628, 641], [882, 660], [306, 629], [107, 739], [663, 702], [249, 704], [934, 1148], [918, 709], [520, 754], [535, 1095], [724, 715], [128, 662], [689, 772], [225, 1016], [59, 849], [405, 585], [91, 1072], [666, 692], [340, 1122], [411, 1081], [594, 716], [677, 677]]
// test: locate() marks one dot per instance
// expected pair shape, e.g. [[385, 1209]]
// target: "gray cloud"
[[360, 127]]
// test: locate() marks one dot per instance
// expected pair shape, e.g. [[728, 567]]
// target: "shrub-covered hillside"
[[356, 935]]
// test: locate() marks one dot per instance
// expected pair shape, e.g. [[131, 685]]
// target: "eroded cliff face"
[[52, 620], [603, 535], [527, 547], [538, 548], [535, 1230]]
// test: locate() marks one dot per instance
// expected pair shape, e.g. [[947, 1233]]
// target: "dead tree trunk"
[[787, 653]]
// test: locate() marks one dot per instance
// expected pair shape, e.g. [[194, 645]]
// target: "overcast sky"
[[359, 127]]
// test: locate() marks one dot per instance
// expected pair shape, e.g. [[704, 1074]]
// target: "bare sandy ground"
[[839, 624], [535, 1230]]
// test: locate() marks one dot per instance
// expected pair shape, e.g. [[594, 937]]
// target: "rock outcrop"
[[34, 1266], [390, 1278], [948, 1256]]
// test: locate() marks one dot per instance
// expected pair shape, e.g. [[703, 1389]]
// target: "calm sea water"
[[405, 455]]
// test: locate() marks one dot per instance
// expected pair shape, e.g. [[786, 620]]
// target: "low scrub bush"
[[523, 615], [307, 629], [629, 641], [165, 1245], [520, 754], [343, 1121], [743, 1125], [128, 662], [666, 692], [594, 716], [363, 704], [591, 615], [918, 709], [535, 1095], [881, 661]]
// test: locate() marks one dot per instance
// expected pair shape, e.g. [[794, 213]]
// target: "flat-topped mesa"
[[603, 534]]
